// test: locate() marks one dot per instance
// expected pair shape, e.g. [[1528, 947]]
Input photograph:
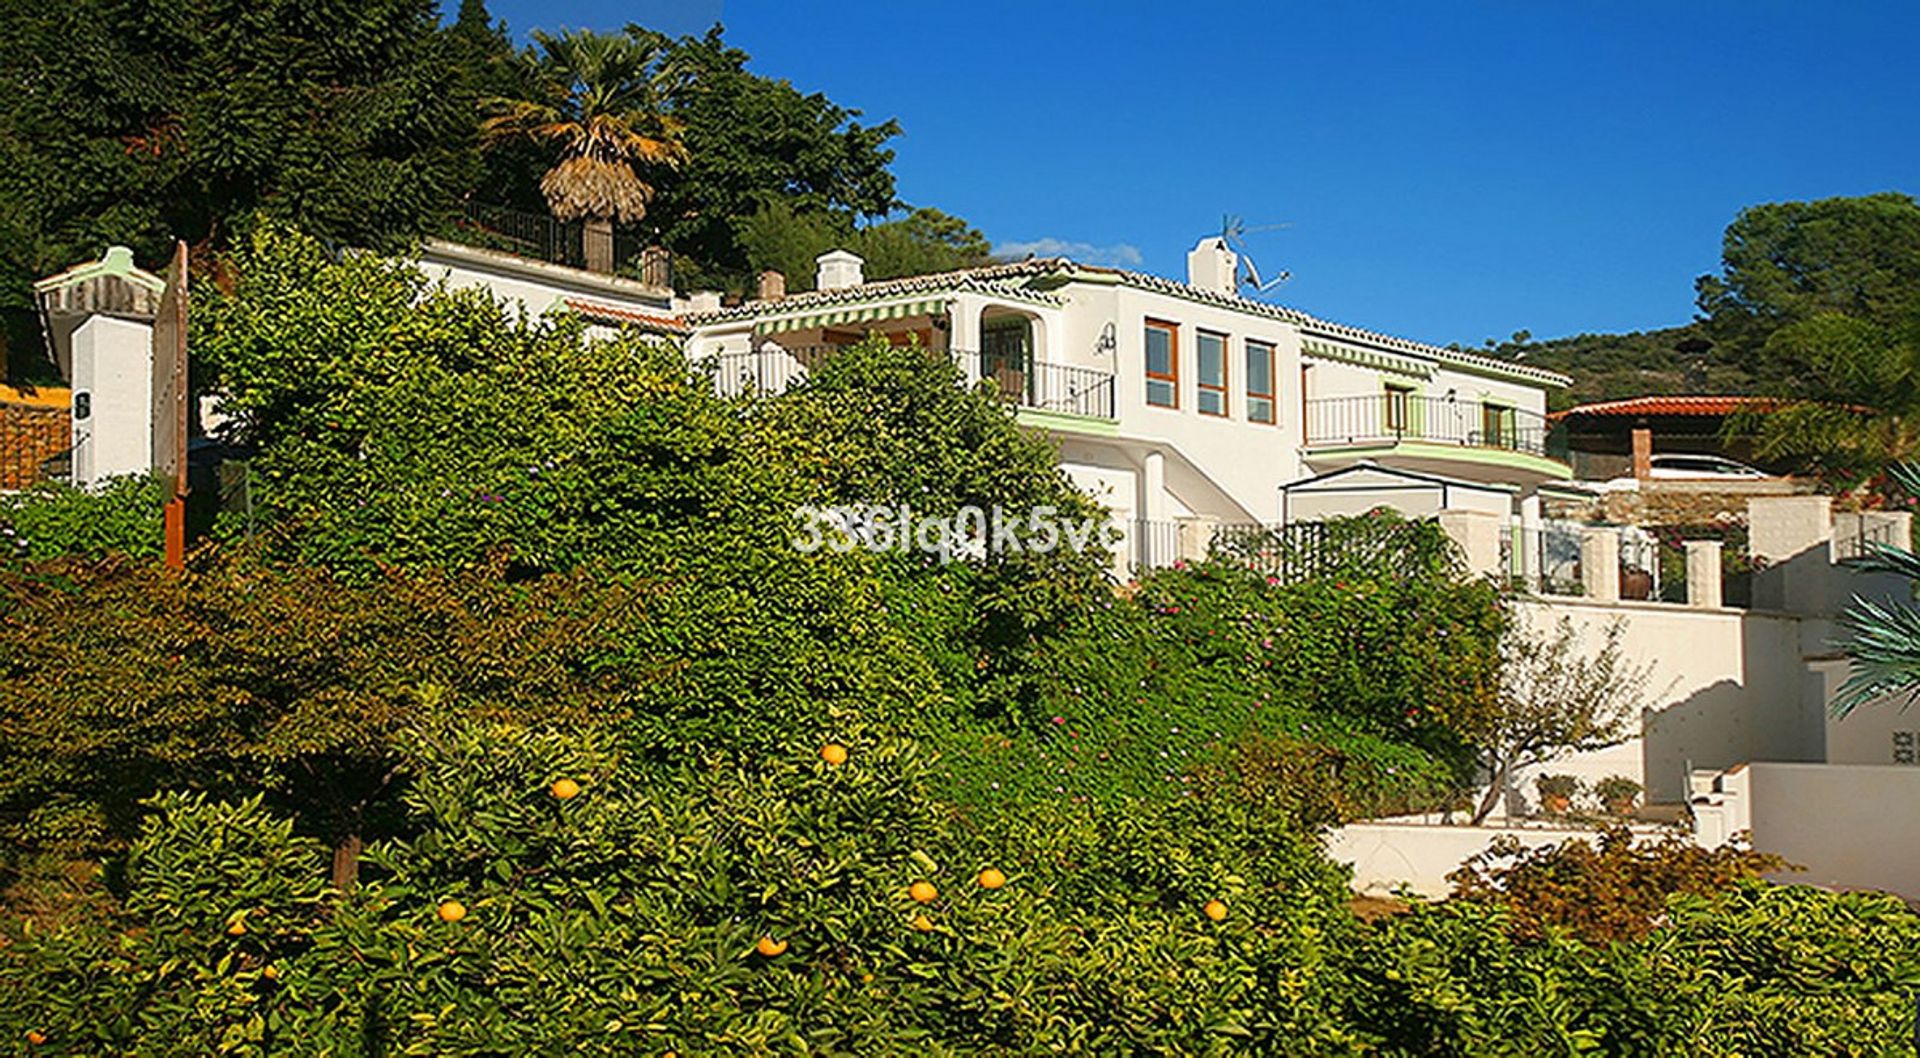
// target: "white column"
[[1703, 573], [1600, 564], [1477, 535], [1196, 537], [1153, 488], [1532, 559]]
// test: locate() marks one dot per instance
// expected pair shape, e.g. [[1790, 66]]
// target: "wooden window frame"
[[1272, 396], [1172, 379], [1203, 387]]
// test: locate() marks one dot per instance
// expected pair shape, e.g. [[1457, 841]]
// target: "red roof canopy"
[[1634, 406]]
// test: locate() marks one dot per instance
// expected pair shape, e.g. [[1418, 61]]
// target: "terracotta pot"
[[1621, 808], [1555, 804]]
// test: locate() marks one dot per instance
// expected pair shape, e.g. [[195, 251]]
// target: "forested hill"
[[1635, 364]]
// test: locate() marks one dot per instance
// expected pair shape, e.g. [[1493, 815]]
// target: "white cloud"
[[1119, 255]]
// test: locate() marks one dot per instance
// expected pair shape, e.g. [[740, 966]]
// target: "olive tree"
[[1555, 698]]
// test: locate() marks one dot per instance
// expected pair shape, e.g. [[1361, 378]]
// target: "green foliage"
[[757, 143], [1634, 364], [1754, 969], [625, 920], [53, 519], [923, 241], [124, 679], [151, 121]]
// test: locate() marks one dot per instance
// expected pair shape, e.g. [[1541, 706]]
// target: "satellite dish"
[[1234, 232]]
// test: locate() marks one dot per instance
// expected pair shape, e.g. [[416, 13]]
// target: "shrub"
[[1616, 890], [53, 519], [624, 920]]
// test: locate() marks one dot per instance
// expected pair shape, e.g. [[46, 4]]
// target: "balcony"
[[1435, 434], [1058, 389]]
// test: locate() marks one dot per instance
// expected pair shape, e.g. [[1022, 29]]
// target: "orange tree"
[[630, 919]]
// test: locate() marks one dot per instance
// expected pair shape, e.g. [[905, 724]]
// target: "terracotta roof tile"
[[595, 310], [1658, 405]]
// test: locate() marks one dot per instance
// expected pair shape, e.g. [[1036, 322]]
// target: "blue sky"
[[1448, 171]]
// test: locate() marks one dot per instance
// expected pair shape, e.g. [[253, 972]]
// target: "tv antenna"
[[1234, 232]]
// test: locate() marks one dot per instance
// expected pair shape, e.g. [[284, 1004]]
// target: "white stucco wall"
[[535, 286], [1726, 686], [1387, 856]]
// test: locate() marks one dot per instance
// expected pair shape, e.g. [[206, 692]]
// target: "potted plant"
[[1556, 793], [1618, 793]]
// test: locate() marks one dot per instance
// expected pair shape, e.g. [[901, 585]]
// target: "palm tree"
[[600, 98], [1883, 647]]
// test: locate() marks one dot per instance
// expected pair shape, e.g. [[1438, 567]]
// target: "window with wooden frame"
[[1261, 402], [1399, 406], [1163, 364], [1496, 425], [1210, 372]]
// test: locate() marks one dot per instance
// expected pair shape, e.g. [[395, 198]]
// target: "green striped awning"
[[841, 315], [1375, 358]]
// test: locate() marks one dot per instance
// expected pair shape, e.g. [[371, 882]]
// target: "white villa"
[[1170, 401]]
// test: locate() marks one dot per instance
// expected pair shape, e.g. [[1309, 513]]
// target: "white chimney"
[[838, 270], [703, 301], [1211, 266]]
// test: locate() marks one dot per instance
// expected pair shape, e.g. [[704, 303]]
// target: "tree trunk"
[[346, 861], [1495, 791]]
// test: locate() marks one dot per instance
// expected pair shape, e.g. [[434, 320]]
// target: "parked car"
[[1692, 468]]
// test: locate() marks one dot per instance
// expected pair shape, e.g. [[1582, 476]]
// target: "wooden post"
[[170, 423]]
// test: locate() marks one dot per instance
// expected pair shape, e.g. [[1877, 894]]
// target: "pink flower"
[[1059, 720]]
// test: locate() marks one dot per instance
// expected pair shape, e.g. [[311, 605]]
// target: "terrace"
[[1431, 434], [1019, 380]]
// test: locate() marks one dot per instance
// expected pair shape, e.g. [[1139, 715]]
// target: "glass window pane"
[[1160, 392], [1213, 401], [1259, 368], [1159, 351], [1212, 354], [1259, 409]]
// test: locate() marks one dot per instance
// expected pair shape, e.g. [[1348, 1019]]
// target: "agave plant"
[[601, 100], [1884, 644]]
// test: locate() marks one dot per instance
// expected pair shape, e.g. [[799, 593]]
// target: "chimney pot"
[[838, 269], [773, 285], [1211, 266]]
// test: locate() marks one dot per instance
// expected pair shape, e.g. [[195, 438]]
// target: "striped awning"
[[1374, 358], [842, 315]]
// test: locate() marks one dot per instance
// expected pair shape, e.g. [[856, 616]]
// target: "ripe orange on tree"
[[564, 789], [922, 923], [452, 911], [770, 947], [1215, 910], [991, 878], [834, 753], [237, 927], [923, 892], [36, 1037]]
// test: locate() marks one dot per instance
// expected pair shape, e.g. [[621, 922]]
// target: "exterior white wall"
[[535, 286], [1246, 461], [1725, 687], [1848, 826], [113, 370]]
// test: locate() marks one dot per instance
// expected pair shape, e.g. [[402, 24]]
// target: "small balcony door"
[[1006, 355]]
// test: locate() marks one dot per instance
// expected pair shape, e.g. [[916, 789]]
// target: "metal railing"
[[1040, 385], [773, 369], [539, 237], [1543, 559], [1393, 417], [1152, 544]]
